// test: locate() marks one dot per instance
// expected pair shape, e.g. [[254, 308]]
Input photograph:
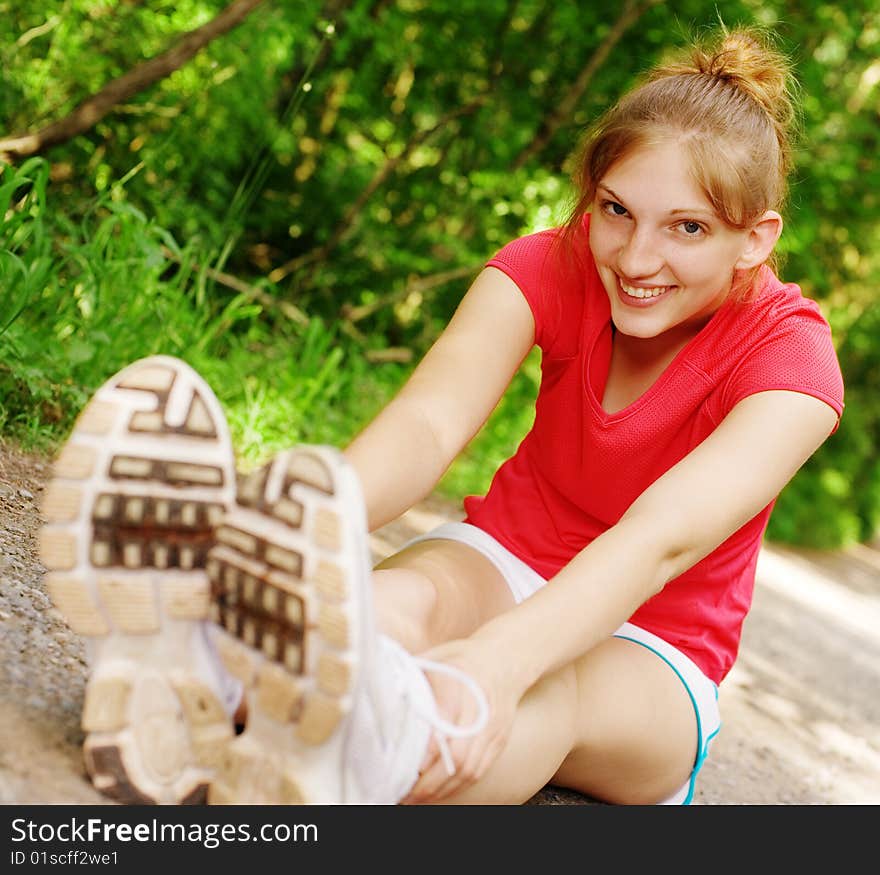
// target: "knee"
[[439, 590], [630, 747], [405, 601]]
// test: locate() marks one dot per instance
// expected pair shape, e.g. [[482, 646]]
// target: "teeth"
[[644, 293]]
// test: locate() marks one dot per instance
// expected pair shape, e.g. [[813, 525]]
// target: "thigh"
[[636, 735], [461, 589]]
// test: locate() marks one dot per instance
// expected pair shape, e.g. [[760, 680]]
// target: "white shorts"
[[525, 581]]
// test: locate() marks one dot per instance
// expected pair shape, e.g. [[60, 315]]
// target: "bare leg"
[[544, 733], [436, 591], [617, 725]]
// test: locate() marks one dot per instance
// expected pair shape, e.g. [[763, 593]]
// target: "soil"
[[800, 709]]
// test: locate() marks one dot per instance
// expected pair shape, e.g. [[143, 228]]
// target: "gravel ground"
[[800, 710]]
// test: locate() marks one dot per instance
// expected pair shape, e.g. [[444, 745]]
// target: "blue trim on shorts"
[[702, 748]]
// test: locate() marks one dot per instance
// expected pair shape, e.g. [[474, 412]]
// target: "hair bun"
[[745, 58]]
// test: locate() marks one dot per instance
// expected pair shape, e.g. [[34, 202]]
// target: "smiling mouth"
[[642, 293]]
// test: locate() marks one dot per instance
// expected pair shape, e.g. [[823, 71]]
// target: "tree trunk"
[[93, 109]]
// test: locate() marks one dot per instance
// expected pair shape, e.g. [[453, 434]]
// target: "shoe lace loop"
[[444, 729]]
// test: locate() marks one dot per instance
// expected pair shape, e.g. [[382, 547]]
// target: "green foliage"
[[836, 497], [507, 426], [333, 153], [116, 291], [24, 247]]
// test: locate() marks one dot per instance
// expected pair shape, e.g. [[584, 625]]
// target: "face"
[[665, 258]]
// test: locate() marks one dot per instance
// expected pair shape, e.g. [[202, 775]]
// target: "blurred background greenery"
[[294, 196]]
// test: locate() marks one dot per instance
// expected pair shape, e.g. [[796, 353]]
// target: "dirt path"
[[801, 709]]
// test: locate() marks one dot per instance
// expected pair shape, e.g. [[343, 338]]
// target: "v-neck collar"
[[600, 343]]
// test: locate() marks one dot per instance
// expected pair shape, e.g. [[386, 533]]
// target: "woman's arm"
[[402, 454], [677, 521]]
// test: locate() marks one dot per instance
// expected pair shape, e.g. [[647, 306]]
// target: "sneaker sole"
[[130, 511], [287, 584]]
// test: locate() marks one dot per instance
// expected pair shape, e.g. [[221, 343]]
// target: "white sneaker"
[[136, 492], [384, 760], [336, 714]]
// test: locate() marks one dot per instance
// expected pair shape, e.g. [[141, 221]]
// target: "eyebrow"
[[696, 211]]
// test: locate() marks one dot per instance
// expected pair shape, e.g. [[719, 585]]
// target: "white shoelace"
[[444, 729]]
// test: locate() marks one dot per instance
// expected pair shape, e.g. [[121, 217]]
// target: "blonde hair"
[[730, 102]]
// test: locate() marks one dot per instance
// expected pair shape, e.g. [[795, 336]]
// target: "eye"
[[613, 208], [692, 229]]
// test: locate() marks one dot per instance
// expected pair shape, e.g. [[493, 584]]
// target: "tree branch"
[[349, 220], [88, 113], [253, 293], [403, 354], [564, 110], [421, 284]]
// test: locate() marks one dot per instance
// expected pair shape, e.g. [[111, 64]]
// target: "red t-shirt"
[[579, 468]]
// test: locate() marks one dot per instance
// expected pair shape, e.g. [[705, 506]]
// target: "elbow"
[[666, 547], [673, 562]]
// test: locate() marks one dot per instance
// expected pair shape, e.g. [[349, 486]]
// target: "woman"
[[575, 627]]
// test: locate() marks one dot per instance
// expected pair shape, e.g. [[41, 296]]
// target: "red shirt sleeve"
[[531, 263], [798, 355]]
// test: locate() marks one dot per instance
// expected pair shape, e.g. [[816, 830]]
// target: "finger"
[[424, 789], [434, 757], [436, 775], [438, 784], [489, 755], [431, 773], [474, 768], [466, 754], [466, 774]]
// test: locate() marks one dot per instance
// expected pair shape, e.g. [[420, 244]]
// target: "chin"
[[641, 332], [644, 328]]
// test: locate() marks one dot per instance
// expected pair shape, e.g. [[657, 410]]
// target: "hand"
[[471, 756]]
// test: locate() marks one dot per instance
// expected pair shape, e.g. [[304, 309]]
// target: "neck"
[[645, 350]]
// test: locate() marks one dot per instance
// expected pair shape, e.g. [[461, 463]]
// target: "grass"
[[84, 298]]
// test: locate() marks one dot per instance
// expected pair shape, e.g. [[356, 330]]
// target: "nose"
[[639, 256]]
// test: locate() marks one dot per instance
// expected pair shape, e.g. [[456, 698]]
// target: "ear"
[[761, 239]]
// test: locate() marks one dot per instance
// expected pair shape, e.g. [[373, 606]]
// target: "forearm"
[[584, 603], [398, 459], [675, 523], [405, 450]]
